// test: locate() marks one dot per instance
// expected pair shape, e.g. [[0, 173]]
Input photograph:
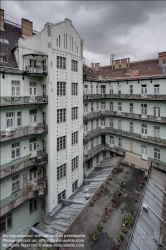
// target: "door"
[[144, 90], [33, 147], [43, 65], [144, 110], [33, 176], [103, 139], [33, 118], [32, 66], [144, 153], [131, 146], [111, 141], [102, 89], [33, 91], [144, 130], [104, 155], [9, 121]]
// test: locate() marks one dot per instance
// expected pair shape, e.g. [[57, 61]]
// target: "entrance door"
[[33, 91], [111, 141], [33, 147], [144, 153], [33, 118], [33, 176]]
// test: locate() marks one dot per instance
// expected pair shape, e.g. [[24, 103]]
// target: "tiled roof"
[[12, 34], [138, 69]]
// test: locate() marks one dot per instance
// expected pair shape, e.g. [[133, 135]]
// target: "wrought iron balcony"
[[106, 113], [6, 101], [102, 147], [108, 130], [29, 192], [36, 70], [125, 96], [8, 135], [22, 164]]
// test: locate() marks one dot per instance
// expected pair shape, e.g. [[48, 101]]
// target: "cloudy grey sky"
[[135, 29]]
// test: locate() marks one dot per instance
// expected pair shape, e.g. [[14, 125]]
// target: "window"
[[111, 123], [156, 89], [85, 108], [97, 123], [15, 150], [111, 140], [97, 89], [61, 172], [89, 164], [156, 112], [74, 89], [5, 223], [74, 163], [74, 186], [3, 40], [111, 106], [97, 159], [61, 115], [86, 89], [61, 143], [61, 62], [33, 205], [111, 90], [18, 118], [74, 65], [131, 89], [92, 107], [131, 126], [119, 124], [74, 138], [156, 153], [10, 119], [102, 122], [3, 58], [15, 88], [61, 88], [144, 109], [102, 105], [120, 142], [91, 89], [144, 129], [119, 106], [74, 113], [144, 89], [119, 89], [61, 195], [131, 108], [97, 106], [15, 183], [156, 131], [102, 89], [33, 88]]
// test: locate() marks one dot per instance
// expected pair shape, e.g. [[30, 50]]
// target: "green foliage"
[[119, 190], [96, 232], [128, 219]]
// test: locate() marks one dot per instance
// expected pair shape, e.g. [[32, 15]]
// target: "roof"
[[12, 33], [147, 68]]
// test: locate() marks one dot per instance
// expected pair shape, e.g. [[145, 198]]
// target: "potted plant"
[[122, 183], [116, 243], [124, 229], [119, 191], [121, 236], [92, 203], [128, 219], [99, 227], [110, 209], [96, 234], [104, 219], [136, 192]]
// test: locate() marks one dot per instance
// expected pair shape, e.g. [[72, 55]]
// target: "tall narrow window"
[[156, 89], [15, 151], [74, 65], [156, 153], [74, 163], [119, 124], [131, 89], [74, 113], [131, 108], [59, 41], [61, 88], [111, 106], [74, 138], [61, 62], [61, 172], [131, 126], [15, 183], [74, 186], [61, 143], [66, 41], [61, 115], [18, 119], [15, 88], [156, 131]]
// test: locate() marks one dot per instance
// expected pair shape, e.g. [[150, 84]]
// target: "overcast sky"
[[135, 29]]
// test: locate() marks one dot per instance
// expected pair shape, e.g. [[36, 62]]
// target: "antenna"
[[112, 58]]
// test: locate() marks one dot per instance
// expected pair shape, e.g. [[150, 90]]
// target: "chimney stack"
[[97, 65], [1, 19], [27, 27], [92, 66], [117, 64], [162, 57], [128, 62]]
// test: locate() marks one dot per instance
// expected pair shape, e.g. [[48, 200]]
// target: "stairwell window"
[[74, 138], [61, 62], [74, 163], [61, 195], [61, 172], [75, 186], [61, 115], [74, 113], [74, 65], [156, 89], [5, 223], [74, 90], [156, 153], [15, 88], [61, 143], [15, 183], [15, 150], [61, 88]]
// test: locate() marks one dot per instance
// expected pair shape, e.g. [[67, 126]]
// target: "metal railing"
[[124, 96], [101, 114], [38, 69], [99, 131], [8, 135], [23, 163], [22, 100]]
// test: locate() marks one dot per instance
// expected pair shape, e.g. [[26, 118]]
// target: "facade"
[[41, 121], [125, 112]]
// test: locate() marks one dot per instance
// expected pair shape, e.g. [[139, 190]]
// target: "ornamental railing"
[[38, 69], [22, 100], [12, 134], [23, 163]]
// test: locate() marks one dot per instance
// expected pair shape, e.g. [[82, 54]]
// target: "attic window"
[[3, 58], [3, 40]]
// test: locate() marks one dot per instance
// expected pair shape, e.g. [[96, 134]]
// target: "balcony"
[[153, 140], [125, 96], [31, 192], [8, 135], [7, 101], [96, 115], [36, 70], [102, 147], [22, 164]]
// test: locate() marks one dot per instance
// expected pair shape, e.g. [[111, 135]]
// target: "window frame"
[[61, 88], [15, 183], [74, 138], [61, 172], [74, 163], [61, 62], [61, 116], [15, 147], [61, 143], [74, 65]]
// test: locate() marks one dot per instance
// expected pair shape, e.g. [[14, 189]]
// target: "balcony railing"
[[23, 163], [135, 136], [102, 147], [31, 192], [38, 69], [125, 96], [16, 133], [158, 164], [22, 100], [96, 115]]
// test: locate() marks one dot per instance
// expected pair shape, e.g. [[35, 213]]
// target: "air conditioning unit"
[[145, 207]]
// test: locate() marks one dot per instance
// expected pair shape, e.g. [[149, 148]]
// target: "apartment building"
[[41, 121], [125, 112]]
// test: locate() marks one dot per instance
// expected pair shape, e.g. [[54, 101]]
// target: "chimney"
[[124, 63], [117, 64], [97, 65], [162, 57], [27, 27], [113, 64], [128, 62], [1, 19], [92, 66]]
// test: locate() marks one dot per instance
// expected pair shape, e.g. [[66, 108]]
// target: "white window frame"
[[120, 142], [15, 151], [102, 105], [111, 89], [157, 131], [156, 111], [111, 106], [74, 113], [61, 88], [74, 90], [61, 172], [131, 89], [61, 143], [156, 153], [157, 89], [111, 123], [19, 118], [144, 129], [119, 124], [74, 65], [131, 126], [15, 88], [74, 138], [131, 108], [15, 183], [119, 90], [61, 62], [103, 89], [61, 115], [74, 163], [120, 106]]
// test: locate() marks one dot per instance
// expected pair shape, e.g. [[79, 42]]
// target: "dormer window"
[[3, 58]]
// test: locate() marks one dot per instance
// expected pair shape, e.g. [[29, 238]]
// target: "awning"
[[136, 160]]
